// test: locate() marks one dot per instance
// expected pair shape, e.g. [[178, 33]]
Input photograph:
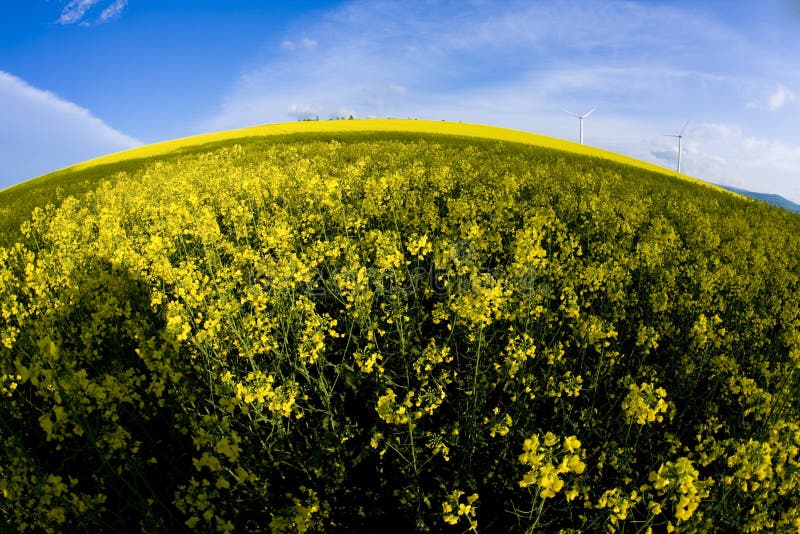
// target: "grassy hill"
[[341, 325]]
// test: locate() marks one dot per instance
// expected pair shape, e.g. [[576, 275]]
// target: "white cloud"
[[41, 132], [302, 111], [343, 113], [782, 96], [305, 43], [112, 11], [724, 153], [76, 12]]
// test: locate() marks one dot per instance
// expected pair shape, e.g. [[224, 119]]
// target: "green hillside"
[[441, 330]]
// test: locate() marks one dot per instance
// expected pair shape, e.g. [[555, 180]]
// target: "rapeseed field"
[[326, 332]]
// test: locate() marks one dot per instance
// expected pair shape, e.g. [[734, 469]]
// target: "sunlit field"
[[335, 326], [18, 201]]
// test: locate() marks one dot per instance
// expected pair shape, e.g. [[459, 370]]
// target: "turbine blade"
[[684, 127], [590, 112], [571, 113]]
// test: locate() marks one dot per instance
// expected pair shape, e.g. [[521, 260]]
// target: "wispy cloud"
[[373, 48], [723, 153], [76, 11], [782, 96], [772, 98], [42, 132], [302, 111], [305, 43], [112, 11]]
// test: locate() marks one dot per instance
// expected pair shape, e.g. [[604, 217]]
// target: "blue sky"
[[81, 78]]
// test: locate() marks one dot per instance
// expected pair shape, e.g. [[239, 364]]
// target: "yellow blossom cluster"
[[8, 384], [454, 510], [303, 334], [618, 503], [681, 482], [548, 462], [257, 389], [645, 403], [390, 410]]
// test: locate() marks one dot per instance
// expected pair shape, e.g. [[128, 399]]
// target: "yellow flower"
[[645, 404]]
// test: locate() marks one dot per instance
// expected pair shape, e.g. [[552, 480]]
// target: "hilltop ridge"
[[459, 129], [16, 202]]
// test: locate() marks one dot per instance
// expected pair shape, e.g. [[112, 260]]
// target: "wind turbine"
[[580, 118], [680, 143]]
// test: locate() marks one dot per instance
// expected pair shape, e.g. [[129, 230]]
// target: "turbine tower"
[[580, 118], [680, 143]]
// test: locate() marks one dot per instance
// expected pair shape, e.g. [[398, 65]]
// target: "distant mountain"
[[769, 198]]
